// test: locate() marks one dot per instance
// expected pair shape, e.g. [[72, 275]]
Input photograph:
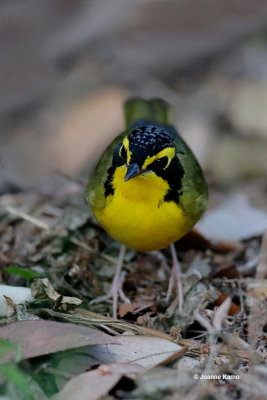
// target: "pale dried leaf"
[[143, 350], [16, 294], [94, 384], [230, 220], [42, 288]]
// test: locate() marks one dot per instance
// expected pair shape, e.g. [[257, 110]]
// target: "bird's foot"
[[115, 293], [176, 277]]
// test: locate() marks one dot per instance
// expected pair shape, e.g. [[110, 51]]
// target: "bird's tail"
[[153, 110]]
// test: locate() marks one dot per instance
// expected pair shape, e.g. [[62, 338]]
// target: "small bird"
[[147, 190]]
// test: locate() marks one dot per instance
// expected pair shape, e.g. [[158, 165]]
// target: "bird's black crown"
[[148, 140]]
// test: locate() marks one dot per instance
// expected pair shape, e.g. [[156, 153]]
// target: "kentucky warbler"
[[147, 189]]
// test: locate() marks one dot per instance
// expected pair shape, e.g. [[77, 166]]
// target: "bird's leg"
[[121, 292], [116, 286], [176, 277]]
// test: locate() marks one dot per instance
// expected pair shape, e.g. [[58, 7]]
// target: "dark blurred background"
[[67, 66]]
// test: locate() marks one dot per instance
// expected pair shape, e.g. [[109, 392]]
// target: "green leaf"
[[19, 380], [24, 273], [9, 350]]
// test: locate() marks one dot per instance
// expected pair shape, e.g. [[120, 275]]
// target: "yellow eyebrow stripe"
[[126, 144], [167, 152]]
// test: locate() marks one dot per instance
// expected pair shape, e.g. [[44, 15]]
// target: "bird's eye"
[[161, 163], [123, 153]]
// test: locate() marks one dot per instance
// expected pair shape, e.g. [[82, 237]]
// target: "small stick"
[[27, 217]]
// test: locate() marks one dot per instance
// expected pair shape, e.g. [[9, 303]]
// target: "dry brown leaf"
[[228, 271], [39, 337], [94, 384], [196, 240], [42, 288], [124, 308], [234, 308]]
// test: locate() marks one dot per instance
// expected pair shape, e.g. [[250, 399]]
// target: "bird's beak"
[[132, 171]]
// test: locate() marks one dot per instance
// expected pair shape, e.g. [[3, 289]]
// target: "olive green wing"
[[194, 191], [95, 190]]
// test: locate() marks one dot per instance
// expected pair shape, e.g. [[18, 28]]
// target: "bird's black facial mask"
[[148, 148], [144, 146]]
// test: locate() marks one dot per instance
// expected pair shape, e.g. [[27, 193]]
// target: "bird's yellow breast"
[[137, 215]]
